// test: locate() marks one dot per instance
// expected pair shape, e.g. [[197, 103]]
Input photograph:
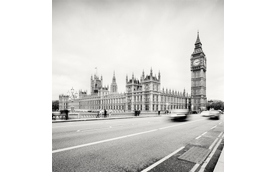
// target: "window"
[[147, 107]]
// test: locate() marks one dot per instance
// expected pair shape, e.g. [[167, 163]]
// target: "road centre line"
[[201, 135], [214, 126], [85, 130], [169, 126], [198, 137], [112, 139], [162, 160]]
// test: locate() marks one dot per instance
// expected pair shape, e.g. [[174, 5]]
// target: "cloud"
[[129, 36]]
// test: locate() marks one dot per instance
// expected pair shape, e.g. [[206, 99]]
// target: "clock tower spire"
[[198, 80]]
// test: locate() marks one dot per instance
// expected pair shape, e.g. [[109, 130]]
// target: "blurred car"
[[193, 112], [179, 114], [220, 111], [167, 111], [205, 113], [214, 114]]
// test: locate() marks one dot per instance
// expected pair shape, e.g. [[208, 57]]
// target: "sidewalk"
[[113, 117], [107, 118], [220, 164]]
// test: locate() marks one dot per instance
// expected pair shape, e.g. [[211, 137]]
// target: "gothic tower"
[[198, 80], [113, 84], [96, 84]]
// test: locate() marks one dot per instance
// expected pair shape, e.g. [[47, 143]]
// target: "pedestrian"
[[110, 112], [105, 113], [101, 113], [66, 114]]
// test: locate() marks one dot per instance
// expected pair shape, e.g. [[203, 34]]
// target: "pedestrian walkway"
[[107, 118], [220, 164], [113, 117]]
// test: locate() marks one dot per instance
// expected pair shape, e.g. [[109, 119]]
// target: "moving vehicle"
[[179, 114], [220, 111], [214, 114], [205, 113]]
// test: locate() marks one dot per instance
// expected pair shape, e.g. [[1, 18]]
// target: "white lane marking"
[[214, 127], [209, 157], [196, 165], [87, 130], [220, 134], [169, 126], [213, 144], [201, 135], [162, 160], [194, 168], [220, 123], [108, 140], [198, 137], [102, 141]]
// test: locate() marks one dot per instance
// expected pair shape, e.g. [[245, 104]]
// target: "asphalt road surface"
[[121, 145]]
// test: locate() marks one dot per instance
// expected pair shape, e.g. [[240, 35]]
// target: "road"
[[122, 144]]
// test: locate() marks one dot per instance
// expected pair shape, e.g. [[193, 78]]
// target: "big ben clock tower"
[[198, 80]]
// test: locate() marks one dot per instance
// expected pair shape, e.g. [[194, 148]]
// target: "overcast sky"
[[129, 36]]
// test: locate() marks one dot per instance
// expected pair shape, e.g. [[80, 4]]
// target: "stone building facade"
[[63, 102], [144, 94]]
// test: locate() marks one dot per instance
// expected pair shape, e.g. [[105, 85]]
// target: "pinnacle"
[[197, 39]]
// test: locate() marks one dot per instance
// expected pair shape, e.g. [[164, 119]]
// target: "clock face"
[[196, 62]]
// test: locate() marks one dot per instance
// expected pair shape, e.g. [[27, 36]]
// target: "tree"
[[55, 105], [216, 104]]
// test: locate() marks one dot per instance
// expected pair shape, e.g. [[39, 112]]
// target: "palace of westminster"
[[144, 94]]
